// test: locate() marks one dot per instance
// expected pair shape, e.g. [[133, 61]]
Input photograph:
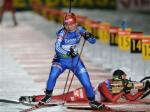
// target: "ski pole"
[[66, 84], [69, 69], [70, 6], [73, 74]]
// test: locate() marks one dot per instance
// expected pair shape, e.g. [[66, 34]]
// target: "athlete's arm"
[[58, 45], [131, 97], [108, 95], [88, 36]]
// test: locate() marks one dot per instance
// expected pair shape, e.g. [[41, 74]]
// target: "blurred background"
[[27, 37]]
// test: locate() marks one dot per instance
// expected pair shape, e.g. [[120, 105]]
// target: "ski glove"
[[126, 89], [90, 37], [92, 40], [72, 53]]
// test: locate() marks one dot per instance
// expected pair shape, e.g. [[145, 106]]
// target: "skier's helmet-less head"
[[118, 75], [70, 21]]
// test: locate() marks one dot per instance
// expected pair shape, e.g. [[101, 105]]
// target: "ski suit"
[[62, 61], [8, 4], [104, 89], [102, 94]]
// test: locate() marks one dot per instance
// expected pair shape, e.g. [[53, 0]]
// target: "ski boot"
[[98, 106], [47, 98], [26, 99]]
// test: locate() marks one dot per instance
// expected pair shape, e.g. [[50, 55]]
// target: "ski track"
[[26, 53]]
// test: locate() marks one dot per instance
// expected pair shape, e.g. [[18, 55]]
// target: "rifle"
[[125, 85]]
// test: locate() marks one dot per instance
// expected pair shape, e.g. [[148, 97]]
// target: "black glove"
[[126, 89], [88, 35], [72, 53]]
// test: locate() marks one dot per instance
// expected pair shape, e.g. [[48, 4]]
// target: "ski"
[[16, 102], [36, 107], [118, 107], [9, 101], [87, 107], [104, 110], [111, 109]]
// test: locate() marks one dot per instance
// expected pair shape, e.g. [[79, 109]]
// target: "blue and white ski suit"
[[63, 61]]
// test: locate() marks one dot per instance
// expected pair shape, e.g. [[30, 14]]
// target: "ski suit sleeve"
[[83, 31], [58, 43], [108, 95], [131, 97]]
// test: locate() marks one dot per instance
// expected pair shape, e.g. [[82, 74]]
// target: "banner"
[[106, 4], [113, 36], [103, 32], [124, 39], [102, 4], [21, 4], [146, 48]]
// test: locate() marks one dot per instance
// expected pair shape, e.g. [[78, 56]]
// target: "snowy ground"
[[13, 85]]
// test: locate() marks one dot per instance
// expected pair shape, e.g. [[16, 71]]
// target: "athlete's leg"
[[83, 76], [56, 70], [14, 17], [1, 14]]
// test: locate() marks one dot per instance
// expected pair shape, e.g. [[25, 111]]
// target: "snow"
[[13, 85]]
